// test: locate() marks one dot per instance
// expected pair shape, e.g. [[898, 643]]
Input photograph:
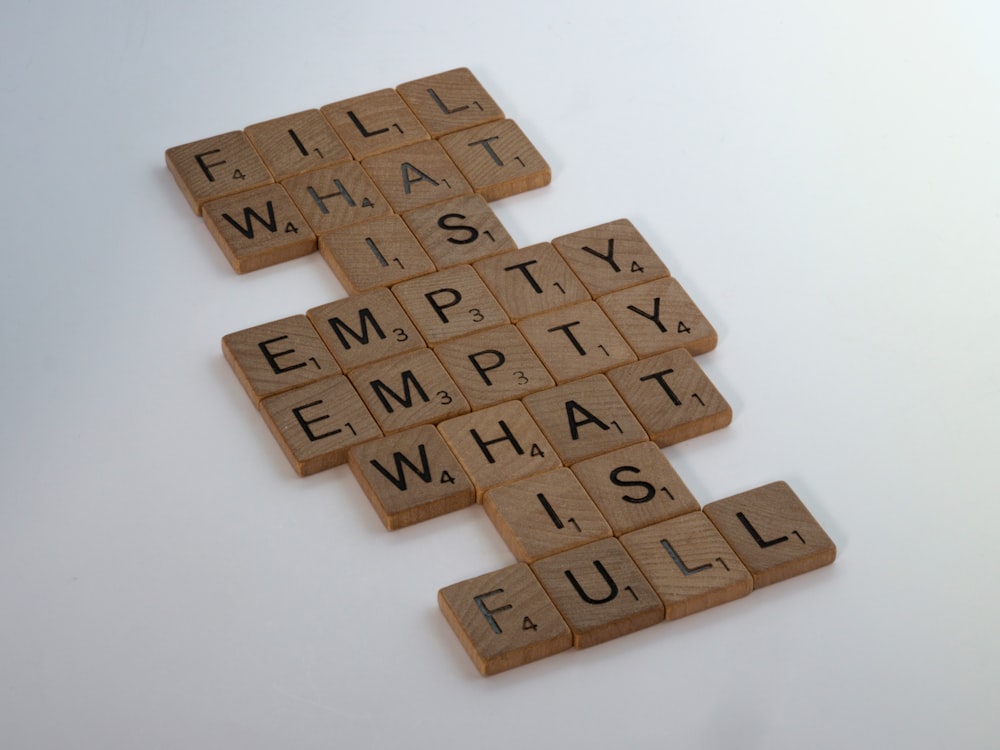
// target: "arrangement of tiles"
[[541, 382]]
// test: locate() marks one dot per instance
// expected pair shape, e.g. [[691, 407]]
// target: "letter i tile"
[[504, 619], [773, 533], [600, 592]]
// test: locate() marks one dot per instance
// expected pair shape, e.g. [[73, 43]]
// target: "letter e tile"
[[504, 619], [689, 564], [599, 591], [773, 533]]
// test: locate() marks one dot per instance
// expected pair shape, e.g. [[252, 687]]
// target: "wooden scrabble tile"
[[278, 356], [531, 280], [773, 533], [599, 591], [611, 256], [297, 143], [376, 122], [408, 390], [493, 366], [258, 228], [449, 101], [584, 418], [333, 197], [545, 514], [635, 486], [410, 477], [459, 231], [672, 397], [376, 253], [499, 444], [415, 176], [689, 564], [365, 328], [216, 167], [497, 159], [576, 341], [450, 303], [316, 424], [657, 317], [504, 619]]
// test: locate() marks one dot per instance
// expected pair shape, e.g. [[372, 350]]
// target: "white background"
[[822, 177]]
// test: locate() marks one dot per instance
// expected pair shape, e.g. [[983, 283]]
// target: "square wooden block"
[[258, 228], [545, 514], [297, 143], [504, 619], [584, 418], [415, 176], [376, 253], [773, 533], [689, 564], [449, 101], [410, 477], [611, 256], [493, 366], [499, 444], [365, 328], [672, 397], [278, 356], [599, 591], [576, 341], [459, 231], [334, 197], [376, 122], [316, 424], [497, 159], [450, 303], [659, 316], [635, 486], [216, 167], [408, 390], [531, 280]]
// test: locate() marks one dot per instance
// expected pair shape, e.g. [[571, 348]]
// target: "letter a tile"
[[504, 619], [774, 534]]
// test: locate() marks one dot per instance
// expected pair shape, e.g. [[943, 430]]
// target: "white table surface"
[[822, 178]]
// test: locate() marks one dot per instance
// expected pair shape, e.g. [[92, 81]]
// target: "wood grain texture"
[[497, 159], [610, 256], [659, 316], [584, 418], [449, 101], [410, 477], [672, 397], [365, 328], [316, 424], [215, 167], [408, 390], [459, 231], [504, 619], [416, 175], [374, 123], [531, 280], [545, 514], [297, 143], [334, 197], [278, 356], [635, 486], [773, 533], [376, 253], [493, 366], [689, 564], [258, 228], [498, 445], [576, 341], [600, 592]]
